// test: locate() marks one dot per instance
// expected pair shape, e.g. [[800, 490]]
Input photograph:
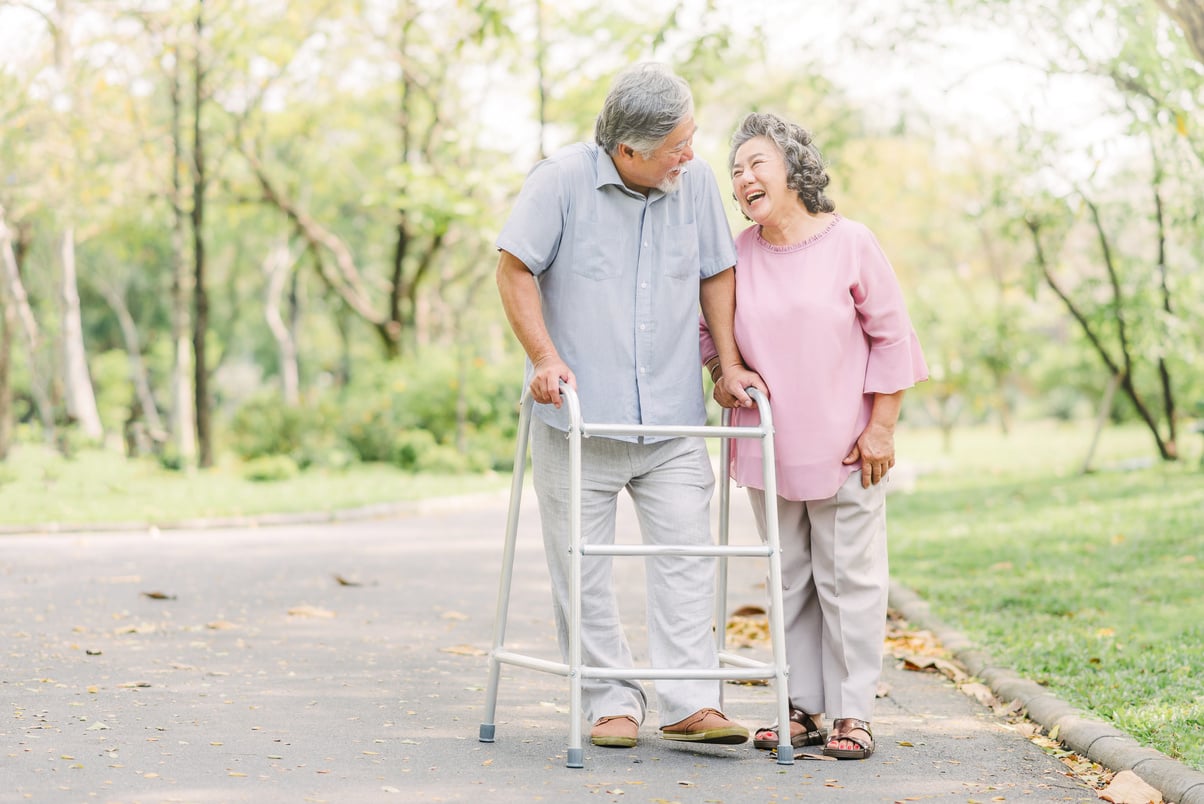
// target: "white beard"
[[672, 182]]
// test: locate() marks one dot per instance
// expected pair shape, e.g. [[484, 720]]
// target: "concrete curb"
[[1081, 732], [360, 513]]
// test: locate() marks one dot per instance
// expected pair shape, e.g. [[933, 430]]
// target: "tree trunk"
[[29, 328], [1114, 368], [200, 298], [183, 422], [1189, 16], [77, 382], [138, 373], [278, 267]]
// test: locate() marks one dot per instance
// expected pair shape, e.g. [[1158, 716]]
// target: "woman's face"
[[759, 180]]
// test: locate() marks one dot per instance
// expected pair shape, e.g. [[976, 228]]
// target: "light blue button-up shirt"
[[619, 277]]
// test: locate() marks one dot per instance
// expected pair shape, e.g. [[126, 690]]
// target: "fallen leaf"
[[346, 581], [310, 611], [158, 596], [142, 628], [1129, 788], [97, 726], [454, 615], [237, 773], [463, 650], [685, 783], [907, 743], [134, 684], [92, 652], [220, 625], [749, 611], [979, 692]]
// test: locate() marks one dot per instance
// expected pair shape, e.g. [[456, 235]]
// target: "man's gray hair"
[[645, 103]]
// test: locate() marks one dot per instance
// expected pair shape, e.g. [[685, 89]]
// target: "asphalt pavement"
[[347, 661]]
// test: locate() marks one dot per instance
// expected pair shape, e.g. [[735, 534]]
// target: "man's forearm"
[[520, 300]]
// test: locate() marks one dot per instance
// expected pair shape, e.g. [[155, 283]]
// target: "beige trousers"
[[834, 595]]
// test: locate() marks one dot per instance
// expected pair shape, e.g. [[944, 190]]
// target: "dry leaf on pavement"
[[310, 611], [1129, 788]]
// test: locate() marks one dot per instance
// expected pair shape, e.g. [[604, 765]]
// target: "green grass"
[[39, 487], [1089, 584]]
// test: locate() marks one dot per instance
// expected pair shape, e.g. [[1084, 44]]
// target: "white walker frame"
[[742, 667]]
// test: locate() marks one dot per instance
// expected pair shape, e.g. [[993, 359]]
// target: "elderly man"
[[609, 251]]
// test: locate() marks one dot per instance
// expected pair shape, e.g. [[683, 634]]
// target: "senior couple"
[[610, 250]]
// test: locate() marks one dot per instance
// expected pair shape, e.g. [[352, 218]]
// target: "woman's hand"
[[875, 448], [731, 384]]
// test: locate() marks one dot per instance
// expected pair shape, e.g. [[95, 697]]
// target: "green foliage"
[[436, 403], [270, 468], [429, 414], [114, 394], [265, 427]]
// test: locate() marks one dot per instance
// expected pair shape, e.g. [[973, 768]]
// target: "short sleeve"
[[533, 231]]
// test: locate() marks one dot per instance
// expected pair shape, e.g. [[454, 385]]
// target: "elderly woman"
[[821, 317]]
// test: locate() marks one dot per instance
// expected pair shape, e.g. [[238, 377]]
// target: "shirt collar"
[[609, 174]]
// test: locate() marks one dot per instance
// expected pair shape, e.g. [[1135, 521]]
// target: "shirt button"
[[643, 284], [643, 327], [643, 370], [645, 244]]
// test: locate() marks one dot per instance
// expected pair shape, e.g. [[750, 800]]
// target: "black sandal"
[[842, 730], [767, 738]]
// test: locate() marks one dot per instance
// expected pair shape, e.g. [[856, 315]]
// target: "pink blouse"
[[825, 324]]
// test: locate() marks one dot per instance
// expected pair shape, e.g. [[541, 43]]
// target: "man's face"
[[662, 168]]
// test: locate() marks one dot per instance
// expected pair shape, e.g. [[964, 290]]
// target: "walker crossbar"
[[574, 669]]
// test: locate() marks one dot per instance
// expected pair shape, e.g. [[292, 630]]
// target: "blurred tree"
[[1109, 238]]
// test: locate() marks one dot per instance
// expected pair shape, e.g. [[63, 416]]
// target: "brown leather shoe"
[[706, 726], [615, 731]]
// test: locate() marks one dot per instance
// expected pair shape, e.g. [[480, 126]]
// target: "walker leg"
[[503, 596], [575, 754]]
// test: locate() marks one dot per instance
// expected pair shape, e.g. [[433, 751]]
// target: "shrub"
[[270, 467], [265, 426], [409, 447], [442, 460]]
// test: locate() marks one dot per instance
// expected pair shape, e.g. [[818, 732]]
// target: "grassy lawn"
[[38, 486], [1089, 584]]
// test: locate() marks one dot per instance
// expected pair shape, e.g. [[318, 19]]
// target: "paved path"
[[234, 666]]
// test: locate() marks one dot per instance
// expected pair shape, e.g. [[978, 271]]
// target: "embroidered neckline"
[[765, 244]]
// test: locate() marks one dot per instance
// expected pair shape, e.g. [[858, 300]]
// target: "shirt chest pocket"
[[600, 251], [680, 251]]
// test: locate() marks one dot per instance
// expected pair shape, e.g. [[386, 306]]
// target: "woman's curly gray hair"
[[805, 172]]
